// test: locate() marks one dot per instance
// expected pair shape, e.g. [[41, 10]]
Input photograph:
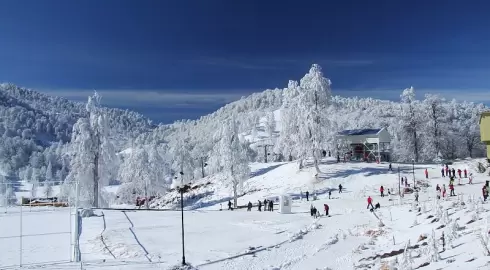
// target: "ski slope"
[[350, 238]]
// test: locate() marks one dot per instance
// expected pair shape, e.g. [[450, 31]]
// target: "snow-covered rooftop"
[[356, 132]]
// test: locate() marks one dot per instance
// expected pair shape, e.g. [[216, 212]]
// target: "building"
[[365, 144], [485, 130]]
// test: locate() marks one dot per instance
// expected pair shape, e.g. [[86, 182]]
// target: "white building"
[[364, 144]]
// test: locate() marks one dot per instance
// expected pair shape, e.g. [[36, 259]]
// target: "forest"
[[50, 141]]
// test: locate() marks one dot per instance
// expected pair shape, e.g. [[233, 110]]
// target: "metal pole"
[[399, 184], [76, 247], [413, 172], [182, 215], [20, 238]]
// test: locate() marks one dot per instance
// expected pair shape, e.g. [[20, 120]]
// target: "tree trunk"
[[316, 162], [416, 146], [96, 170], [96, 180], [235, 195], [202, 167]]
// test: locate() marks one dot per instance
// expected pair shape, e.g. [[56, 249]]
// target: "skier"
[[485, 192], [340, 188], [265, 205], [390, 167], [229, 205], [381, 190], [442, 172], [465, 173], [406, 181], [326, 209], [426, 174], [471, 179], [260, 206], [459, 173], [453, 172], [377, 206], [447, 171], [329, 193], [451, 188], [271, 206], [438, 191], [416, 196], [370, 202], [249, 206], [307, 195], [444, 190], [311, 210]]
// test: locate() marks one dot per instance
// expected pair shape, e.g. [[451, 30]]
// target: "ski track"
[[147, 255]]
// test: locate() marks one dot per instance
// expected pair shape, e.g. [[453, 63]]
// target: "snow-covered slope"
[[350, 238]]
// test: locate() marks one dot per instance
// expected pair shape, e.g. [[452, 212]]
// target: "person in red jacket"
[[451, 188], [326, 209], [426, 174], [459, 173], [370, 202], [465, 173], [382, 190]]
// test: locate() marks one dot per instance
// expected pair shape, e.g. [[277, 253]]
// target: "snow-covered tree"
[[48, 182], [433, 248], [409, 119], [93, 162], [270, 126], [144, 174], [231, 156], [406, 260], [435, 113]]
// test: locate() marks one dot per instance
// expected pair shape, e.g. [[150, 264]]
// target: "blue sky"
[[181, 59]]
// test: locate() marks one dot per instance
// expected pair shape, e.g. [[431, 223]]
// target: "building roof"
[[357, 132]]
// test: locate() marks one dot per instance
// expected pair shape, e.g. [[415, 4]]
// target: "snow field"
[[264, 240]]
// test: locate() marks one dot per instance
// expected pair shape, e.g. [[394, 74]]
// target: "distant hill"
[[31, 122]]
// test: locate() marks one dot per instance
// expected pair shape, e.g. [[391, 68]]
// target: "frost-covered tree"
[[144, 174], [231, 155], [406, 260], [270, 126], [433, 248], [434, 127], [48, 182], [180, 151], [93, 160], [409, 119]]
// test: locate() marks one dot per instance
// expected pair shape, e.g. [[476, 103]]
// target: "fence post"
[[20, 246]]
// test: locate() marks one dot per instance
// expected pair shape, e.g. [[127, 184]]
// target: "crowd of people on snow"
[[440, 190]]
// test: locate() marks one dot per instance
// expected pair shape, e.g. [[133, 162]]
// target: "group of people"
[[370, 204], [445, 171], [315, 213], [268, 205]]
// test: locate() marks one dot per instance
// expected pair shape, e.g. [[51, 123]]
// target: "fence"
[[35, 229]]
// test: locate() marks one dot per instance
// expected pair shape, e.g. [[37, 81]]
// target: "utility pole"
[[265, 150]]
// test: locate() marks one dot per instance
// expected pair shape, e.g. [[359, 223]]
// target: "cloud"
[[155, 98]]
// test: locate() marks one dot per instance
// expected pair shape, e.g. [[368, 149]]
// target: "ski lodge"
[[485, 131], [365, 144]]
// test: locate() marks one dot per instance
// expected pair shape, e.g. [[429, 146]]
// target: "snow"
[[238, 239]]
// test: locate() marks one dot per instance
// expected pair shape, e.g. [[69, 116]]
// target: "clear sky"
[[181, 59]]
